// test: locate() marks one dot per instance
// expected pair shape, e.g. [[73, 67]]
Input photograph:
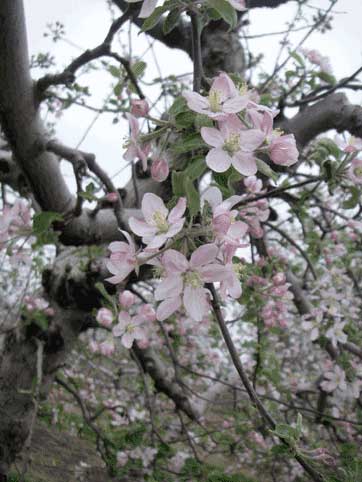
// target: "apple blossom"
[[159, 170], [129, 328], [122, 260], [126, 299], [159, 223], [184, 281], [232, 145], [139, 107], [355, 171], [283, 150], [104, 317], [223, 99], [135, 148]]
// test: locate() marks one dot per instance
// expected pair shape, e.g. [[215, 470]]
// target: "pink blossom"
[[224, 223], [317, 58], [334, 379], [159, 224], [112, 197], [336, 334], [253, 184], [283, 150], [129, 328], [353, 144], [146, 312], [223, 99], [126, 299], [106, 348], [232, 145], [160, 170], [139, 107], [135, 148], [122, 260], [184, 282], [122, 459], [355, 171], [104, 317]]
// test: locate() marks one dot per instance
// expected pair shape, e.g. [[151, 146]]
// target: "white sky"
[[86, 23]]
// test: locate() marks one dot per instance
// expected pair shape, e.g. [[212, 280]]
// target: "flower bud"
[[159, 170]]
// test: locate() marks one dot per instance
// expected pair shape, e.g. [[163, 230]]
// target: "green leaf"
[[138, 68], [188, 143], [298, 58], [100, 287], [193, 197], [88, 194], [225, 10], [171, 21], [266, 170], [178, 186], [330, 79], [153, 19], [115, 71], [42, 221], [196, 168], [184, 120], [354, 198], [331, 147], [178, 106]]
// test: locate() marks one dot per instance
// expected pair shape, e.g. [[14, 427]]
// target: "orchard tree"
[[203, 319]]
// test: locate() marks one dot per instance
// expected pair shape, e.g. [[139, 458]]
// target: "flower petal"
[[152, 204], [204, 255], [170, 287], [178, 211], [168, 307], [218, 160], [195, 303], [212, 136], [174, 262], [245, 163]]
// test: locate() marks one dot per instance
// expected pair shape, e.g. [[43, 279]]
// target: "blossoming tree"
[[203, 320]]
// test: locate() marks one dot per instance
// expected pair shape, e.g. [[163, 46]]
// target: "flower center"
[[193, 279], [232, 144], [357, 171], [238, 269], [215, 100], [160, 221]]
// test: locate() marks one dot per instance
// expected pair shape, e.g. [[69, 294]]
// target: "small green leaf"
[[184, 120], [354, 198], [188, 143], [171, 21], [226, 11], [266, 170], [153, 19], [42, 221], [100, 287], [330, 79], [178, 106], [298, 58], [193, 197], [138, 68], [115, 71], [196, 168], [178, 180]]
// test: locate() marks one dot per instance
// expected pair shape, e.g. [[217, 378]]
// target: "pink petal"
[[218, 160], [213, 272], [178, 211], [174, 262], [170, 287], [168, 307], [245, 163], [196, 102], [152, 204], [141, 228], [250, 139], [175, 228], [203, 255], [133, 124], [213, 196], [195, 303], [212, 136], [155, 242], [127, 340], [235, 104], [224, 85], [124, 318]]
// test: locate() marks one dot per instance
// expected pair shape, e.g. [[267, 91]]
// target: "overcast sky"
[[86, 23]]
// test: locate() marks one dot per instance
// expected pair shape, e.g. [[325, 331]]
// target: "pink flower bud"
[[112, 197], [279, 279], [147, 312], [159, 170], [104, 317], [139, 108], [107, 348], [283, 150], [253, 184], [127, 299]]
